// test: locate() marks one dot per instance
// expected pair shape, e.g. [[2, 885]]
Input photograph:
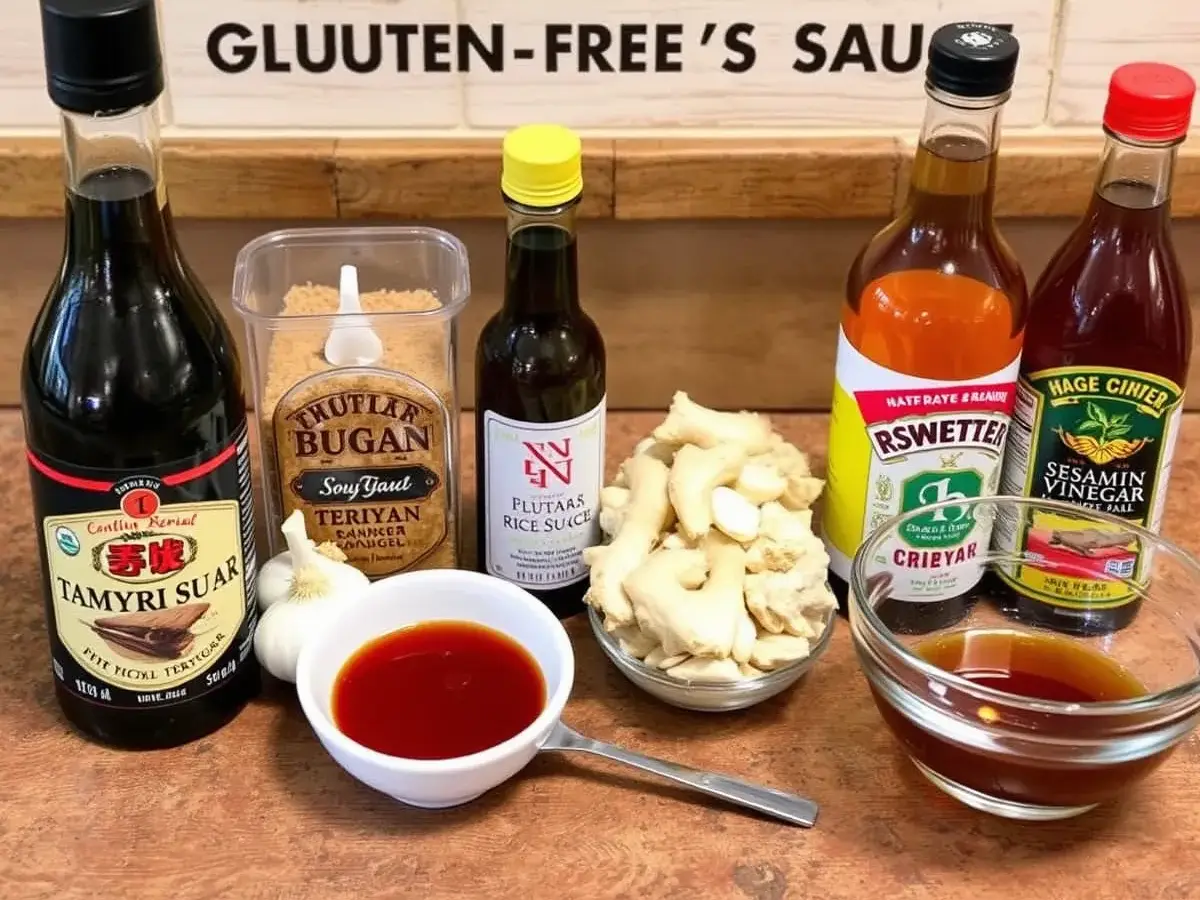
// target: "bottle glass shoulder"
[[129, 362], [937, 298], [1113, 294]]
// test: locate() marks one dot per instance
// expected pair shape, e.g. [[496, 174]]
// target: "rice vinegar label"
[[149, 576], [898, 443], [1103, 439], [543, 484]]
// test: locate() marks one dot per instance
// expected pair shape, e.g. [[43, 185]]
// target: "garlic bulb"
[[295, 589], [275, 577]]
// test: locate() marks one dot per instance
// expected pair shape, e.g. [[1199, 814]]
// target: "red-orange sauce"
[[437, 690]]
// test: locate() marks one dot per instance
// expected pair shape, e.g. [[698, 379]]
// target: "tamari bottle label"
[[543, 497], [1100, 438], [898, 443], [150, 576]]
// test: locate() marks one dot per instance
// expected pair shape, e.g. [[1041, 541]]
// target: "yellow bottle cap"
[[543, 165]]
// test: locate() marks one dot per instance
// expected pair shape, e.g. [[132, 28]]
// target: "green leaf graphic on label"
[[1108, 444], [943, 527], [1099, 440], [1109, 428]]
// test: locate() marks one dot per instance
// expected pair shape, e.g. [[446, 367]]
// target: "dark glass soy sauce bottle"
[[540, 385], [135, 420]]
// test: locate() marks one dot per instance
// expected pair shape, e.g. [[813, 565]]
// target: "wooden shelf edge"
[[627, 179]]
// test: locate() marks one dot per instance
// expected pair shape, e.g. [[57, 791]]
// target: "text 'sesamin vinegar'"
[[1106, 360]]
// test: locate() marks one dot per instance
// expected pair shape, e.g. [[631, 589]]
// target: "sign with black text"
[[602, 64], [428, 67]]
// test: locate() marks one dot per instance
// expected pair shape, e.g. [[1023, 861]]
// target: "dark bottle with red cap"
[[1100, 395]]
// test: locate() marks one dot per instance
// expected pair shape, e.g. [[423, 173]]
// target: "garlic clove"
[[702, 670], [774, 650], [761, 483], [748, 671], [733, 514], [633, 640], [274, 580], [281, 634], [694, 475], [295, 588], [658, 658]]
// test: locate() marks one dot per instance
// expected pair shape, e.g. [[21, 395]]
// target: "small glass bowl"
[[1005, 754], [707, 696]]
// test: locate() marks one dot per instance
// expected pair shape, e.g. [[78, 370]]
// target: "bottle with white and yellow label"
[[929, 347]]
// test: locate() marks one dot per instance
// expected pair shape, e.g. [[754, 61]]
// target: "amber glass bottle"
[[540, 385], [135, 422], [1106, 358], [929, 345]]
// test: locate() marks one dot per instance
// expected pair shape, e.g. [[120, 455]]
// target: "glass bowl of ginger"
[[709, 590], [1033, 658], [695, 683]]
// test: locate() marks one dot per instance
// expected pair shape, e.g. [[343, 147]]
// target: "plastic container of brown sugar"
[[368, 450]]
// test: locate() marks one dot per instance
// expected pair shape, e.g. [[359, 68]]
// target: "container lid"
[[543, 166], [972, 59], [101, 55], [1150, 101]]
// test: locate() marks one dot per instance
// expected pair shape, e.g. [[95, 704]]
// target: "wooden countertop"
[[259, 812], [819, 177]]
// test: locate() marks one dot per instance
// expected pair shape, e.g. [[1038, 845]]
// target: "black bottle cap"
[[101, 55], [971, 59]]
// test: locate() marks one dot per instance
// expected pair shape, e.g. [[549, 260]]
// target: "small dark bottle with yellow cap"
[[540, 385]]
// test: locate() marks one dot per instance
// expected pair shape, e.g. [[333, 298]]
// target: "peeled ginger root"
[[646, 512], [711, 571], [695, 474], [688, 422]]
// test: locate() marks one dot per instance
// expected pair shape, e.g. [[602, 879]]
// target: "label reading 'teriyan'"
[[1099, 438], [365, 454]]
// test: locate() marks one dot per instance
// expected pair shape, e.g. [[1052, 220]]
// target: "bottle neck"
[[542, 267], [954, 173], [1137, 176], [115, 190]]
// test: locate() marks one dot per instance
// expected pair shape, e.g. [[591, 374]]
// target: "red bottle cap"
[[1150, 102]]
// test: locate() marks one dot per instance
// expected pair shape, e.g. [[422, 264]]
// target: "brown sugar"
[[367, 452]]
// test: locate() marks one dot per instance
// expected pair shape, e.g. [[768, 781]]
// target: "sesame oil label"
[[898, 443]]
